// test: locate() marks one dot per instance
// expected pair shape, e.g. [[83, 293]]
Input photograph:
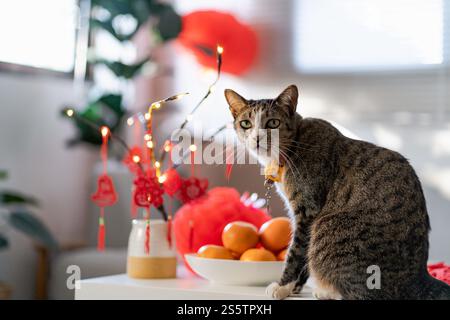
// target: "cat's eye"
[[245, 124], [273, 124]]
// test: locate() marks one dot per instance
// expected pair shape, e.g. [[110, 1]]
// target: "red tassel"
[[228, 170], [169, 231], [147, 237], [134, 208], [191, 236], [101, 233], [192, 163], [229, 162]]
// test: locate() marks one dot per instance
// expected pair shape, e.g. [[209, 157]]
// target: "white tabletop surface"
[[186, 287]]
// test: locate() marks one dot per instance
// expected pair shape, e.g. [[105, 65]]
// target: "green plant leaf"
[[3, 174], [113, 102], [31, 226], [107, 25], [13, 197], [169, 23], [106, 110], [115, 7], [3, 242], [123, 70]]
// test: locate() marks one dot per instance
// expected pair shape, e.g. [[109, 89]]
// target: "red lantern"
[[202, 31]]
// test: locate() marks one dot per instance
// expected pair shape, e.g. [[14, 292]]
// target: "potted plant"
[[15, 212]]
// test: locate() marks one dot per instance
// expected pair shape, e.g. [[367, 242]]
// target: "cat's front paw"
[[323, 294], [277, 291]]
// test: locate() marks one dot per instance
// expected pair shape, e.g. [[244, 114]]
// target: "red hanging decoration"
[[193, 160], [228, 169], [191, 235], [148, 191], [101, 232], [105, 195], [147, 234], [169, 230], [173, 182], [132, 158], [192, 188]]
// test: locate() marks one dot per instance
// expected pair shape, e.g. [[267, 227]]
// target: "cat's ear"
[[288, 98], [235, 101]]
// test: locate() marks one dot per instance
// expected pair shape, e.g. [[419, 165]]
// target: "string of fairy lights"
[[146, 120]]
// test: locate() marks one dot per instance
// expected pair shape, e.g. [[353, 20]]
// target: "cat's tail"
[[429, 288]]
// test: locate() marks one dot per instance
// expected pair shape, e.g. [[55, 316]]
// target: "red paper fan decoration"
[[202, 31], [201, 222]]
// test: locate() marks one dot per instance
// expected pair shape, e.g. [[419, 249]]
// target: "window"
[[38, 34], [365, 35]]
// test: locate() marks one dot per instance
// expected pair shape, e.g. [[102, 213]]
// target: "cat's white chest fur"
[[282, 194]]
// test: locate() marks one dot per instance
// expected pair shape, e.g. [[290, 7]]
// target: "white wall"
[[32, 150]]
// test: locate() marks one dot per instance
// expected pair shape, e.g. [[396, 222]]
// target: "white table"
[[185, 287]]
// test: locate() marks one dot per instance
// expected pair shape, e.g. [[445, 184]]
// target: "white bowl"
[[235, 272]]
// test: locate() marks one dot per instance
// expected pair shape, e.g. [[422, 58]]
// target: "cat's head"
[[256, 120]]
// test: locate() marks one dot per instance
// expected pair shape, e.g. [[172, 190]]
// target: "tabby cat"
[[353, 205]]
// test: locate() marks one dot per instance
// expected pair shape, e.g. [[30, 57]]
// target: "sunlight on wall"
[[387, 138], [440, 144], [368, 34], [38, 33], [439, 178]]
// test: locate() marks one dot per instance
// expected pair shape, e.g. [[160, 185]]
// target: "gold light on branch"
[[70, 112], [190, 116], [104, 131], [193, 147], [136, 159], [159, 104], [130, 121]]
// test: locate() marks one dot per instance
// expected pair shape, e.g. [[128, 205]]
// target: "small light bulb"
[[219, 49], [193, 147], [189, 117], [136, 158], [130, 121], [70, 112], [167, 147], [147, 116], [156, 105], [104, 131], [150, 144], [162, 178], [147, 137], [157, 164], [212, 88]]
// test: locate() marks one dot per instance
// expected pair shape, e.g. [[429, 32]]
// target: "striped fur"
[[353, 205]]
